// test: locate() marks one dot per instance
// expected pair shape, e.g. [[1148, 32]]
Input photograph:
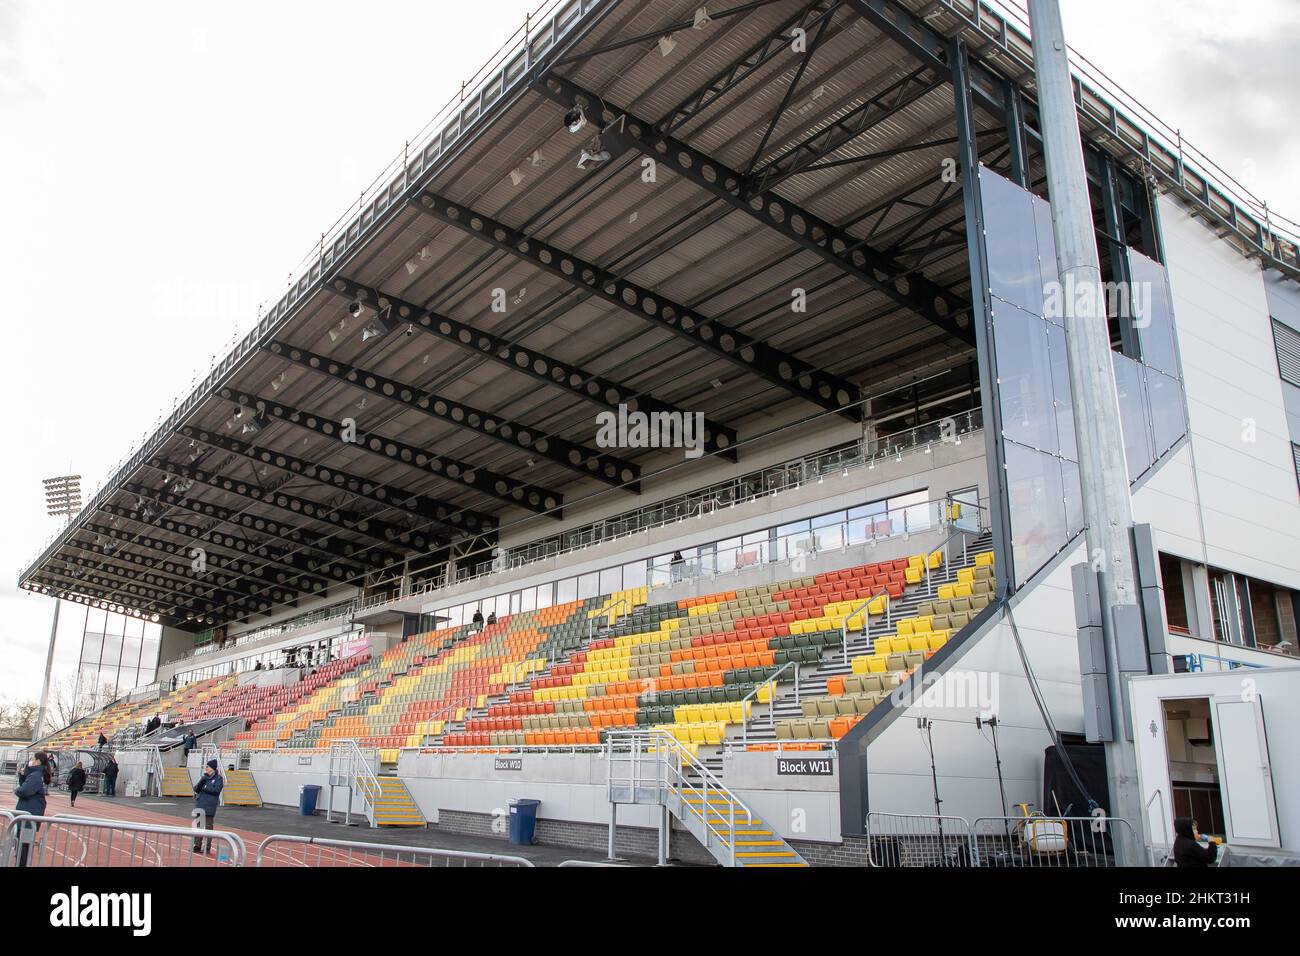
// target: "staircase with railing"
[[385, 799], [651, 767]]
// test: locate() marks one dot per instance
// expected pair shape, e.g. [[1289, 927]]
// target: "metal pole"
[[1103, 476], [49, 667]]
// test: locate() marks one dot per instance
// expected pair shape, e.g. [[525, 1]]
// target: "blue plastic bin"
[[307, 798], [523, 821]]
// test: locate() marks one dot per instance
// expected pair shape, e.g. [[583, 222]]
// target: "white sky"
[[166, 165]]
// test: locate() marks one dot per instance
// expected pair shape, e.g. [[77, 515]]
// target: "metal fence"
[[75, 842], [301, 851], [916, 840], [911, 840], [1052, 842]]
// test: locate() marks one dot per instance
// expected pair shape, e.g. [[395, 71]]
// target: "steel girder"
[[307, 568], [187, 592], [756, 357], [802, 156], [517, 436], [383, 534], [61, 585], [179, 576], [257, 571], [833, 243], [753, 59], [290, 533], [417, 506], [604, 392], [510, 490]]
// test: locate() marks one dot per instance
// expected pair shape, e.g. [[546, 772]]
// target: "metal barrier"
[[590, 863], [282, 850], [1055, 842], [911, 840], [80, 841]]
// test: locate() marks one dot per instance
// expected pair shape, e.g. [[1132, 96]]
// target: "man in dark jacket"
[[76, 781], [207, 797], [110, 777], [189, 742], [1187, 846], [103, 741], [32, 781]]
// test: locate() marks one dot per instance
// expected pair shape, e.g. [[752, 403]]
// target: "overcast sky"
[[166, 165]]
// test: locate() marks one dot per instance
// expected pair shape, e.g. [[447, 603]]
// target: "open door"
[[1245, 776]]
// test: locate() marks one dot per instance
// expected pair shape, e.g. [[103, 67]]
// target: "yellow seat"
[[938, 639], [912, 575], [877, 606], [966, 575], [713, 733], [918, 642], [876, 664], [936, 559], [697, 734], [984, 559], [946, 591], [961, 590], [905, 626], [860, 665]]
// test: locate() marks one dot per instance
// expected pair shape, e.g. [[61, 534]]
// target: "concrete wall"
[[1243, 488]]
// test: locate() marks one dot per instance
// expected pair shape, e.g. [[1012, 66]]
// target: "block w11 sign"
[[805, 766]]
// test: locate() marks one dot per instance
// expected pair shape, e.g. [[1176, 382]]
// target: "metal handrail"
[[591, 621], [382, 848], [21, 824], [866, 619], [665, 745], [358, 769], [772, 682]]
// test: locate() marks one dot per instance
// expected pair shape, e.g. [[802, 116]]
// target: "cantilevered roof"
[[769, 235]]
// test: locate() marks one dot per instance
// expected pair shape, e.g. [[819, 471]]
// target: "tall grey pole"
[[1103, 475], [49, 668]]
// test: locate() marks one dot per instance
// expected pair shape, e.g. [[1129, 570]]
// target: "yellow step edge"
[[764, 853]]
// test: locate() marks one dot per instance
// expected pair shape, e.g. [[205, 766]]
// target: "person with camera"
[[207, 797]]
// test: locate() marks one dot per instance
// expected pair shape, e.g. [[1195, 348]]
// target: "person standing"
[[677, 566], [76, 781], [33, 781], [477, 621], [110, 777], [189, 742], [103, 741], [207, 797]]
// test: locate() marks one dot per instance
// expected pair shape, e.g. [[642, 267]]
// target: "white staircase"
[[653, 767]]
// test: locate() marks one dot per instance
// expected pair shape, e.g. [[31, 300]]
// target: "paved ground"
[[87, 847]]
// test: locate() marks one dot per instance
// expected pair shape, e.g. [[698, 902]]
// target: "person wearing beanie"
[[207, 797]]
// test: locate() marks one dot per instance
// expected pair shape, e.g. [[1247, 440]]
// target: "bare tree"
[[17, 719]]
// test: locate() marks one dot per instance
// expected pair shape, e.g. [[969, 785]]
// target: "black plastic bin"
[[307, 798], [523, 821]]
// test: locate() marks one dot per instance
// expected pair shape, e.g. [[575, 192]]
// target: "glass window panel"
[[1025, 378], [1168, 421], [830, 520], [528, 599], [588, 585], [1014, 275], [1073, 493], [1037, 505], [634, 574], [1133, 414], [863, 511], [545, 595], [611, 580], [516, 601], [1049, 272], [725, 556], [830, 536], [1156, 318], [1061, 392], [566, 591]]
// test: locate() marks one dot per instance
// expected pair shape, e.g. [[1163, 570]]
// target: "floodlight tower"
[[62, 500]]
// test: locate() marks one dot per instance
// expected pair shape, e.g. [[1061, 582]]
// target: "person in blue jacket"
[[31, 789], [207, 797]]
